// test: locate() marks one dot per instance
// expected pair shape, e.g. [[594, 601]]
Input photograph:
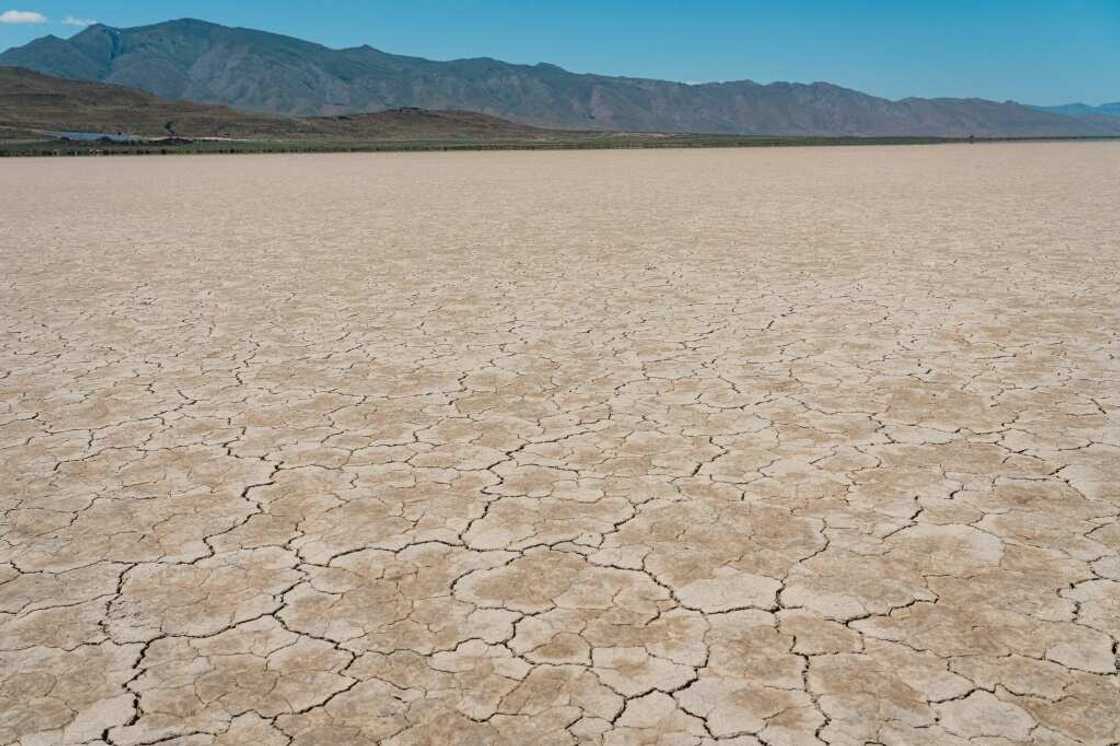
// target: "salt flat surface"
[[753, 446]]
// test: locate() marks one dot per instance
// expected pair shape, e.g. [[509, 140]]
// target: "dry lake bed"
[[784, 446]]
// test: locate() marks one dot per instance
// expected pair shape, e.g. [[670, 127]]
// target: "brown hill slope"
[[32, 101]]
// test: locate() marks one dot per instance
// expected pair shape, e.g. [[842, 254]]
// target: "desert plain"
[[751, 446]]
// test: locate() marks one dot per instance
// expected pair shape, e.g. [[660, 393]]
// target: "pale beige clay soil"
[[742, 446]]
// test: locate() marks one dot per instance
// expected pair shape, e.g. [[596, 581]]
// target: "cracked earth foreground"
[[741, 446]]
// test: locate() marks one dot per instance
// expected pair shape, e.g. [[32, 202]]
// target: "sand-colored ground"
[[759, 446]]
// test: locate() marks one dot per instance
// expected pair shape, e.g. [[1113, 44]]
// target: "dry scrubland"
[[783, 447]]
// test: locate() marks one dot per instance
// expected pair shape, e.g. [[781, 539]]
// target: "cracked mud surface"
[[749, 447]]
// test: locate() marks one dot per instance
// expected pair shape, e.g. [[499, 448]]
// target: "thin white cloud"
[[22, 16], [72, 21]]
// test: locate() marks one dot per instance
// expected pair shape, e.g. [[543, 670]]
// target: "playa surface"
[[744, 446]]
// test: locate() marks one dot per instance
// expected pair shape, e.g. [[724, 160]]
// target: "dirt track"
[[759, 446]]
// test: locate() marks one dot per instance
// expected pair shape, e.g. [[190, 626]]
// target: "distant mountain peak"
[[1082, 110]]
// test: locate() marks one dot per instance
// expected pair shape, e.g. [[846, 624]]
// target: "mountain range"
[[257, 71]]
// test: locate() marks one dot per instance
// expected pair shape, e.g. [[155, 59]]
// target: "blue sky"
[[1037, 52]]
